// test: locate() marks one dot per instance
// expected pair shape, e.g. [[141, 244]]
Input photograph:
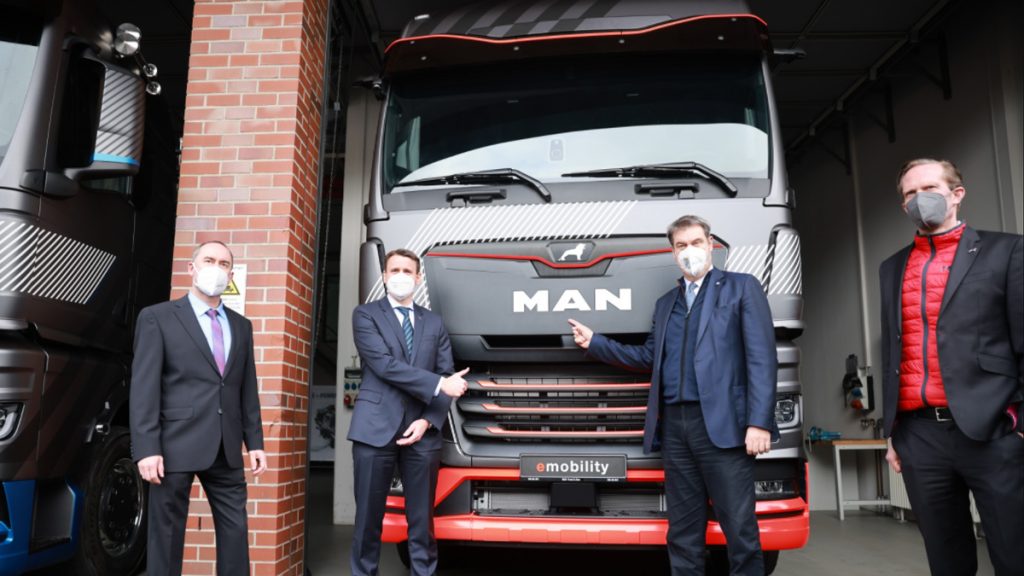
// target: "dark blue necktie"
[[407, 328]]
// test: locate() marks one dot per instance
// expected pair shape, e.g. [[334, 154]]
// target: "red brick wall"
[[249, 178]]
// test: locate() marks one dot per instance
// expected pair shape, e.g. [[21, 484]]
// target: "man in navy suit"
[[194, 401], [401, 407], [711, 407]]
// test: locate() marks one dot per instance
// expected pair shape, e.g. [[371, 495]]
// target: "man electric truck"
[[534, 155], [86, 231]]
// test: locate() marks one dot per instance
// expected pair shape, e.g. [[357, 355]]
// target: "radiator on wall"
[[897, 491]]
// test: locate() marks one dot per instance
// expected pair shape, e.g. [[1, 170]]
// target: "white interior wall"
[[979, 129], [360, 136]]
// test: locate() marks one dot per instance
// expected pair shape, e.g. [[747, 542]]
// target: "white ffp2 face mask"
[[401, 286], [212, 281], [692, 260]]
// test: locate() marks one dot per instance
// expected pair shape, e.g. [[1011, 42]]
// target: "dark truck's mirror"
[[102, 120], [103, 111], [80, 106], [102, 117]]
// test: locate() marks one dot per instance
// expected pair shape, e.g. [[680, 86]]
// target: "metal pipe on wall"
[[851, 144]]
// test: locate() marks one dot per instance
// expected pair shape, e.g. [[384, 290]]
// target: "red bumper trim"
[[776, 533], [787, 528]]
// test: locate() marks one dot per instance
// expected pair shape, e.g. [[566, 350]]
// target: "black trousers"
[[696, 469], [374, 468], [168, 511], [940, 464]]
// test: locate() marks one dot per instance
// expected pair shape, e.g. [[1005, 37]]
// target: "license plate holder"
[[572, 467]]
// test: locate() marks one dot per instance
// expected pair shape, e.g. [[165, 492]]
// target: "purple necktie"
[[218, 339]]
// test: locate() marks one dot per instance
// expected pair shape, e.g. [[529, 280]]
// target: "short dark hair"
[[195, 253], [949, 171], [402, 252], [686, 222]]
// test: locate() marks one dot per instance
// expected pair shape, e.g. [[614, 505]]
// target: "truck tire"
[[112, 536]]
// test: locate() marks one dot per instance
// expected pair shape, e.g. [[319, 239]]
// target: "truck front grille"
[[560, 410], [517, 499]]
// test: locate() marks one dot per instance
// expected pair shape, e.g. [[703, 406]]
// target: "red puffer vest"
[[924, 283]]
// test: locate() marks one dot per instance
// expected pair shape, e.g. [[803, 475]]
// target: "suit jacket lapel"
[[966, 251], [661, 327], [236, 345], [186, 315], [396, 326], [710, 287]]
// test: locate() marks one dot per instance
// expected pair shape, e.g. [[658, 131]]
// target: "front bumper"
[[784, 524]]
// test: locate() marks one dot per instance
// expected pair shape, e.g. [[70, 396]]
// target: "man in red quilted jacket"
[[952, 363]]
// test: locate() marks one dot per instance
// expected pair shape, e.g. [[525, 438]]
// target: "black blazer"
[[181, 407], [980, 332]]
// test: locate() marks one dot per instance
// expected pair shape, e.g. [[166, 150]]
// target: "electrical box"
[[353, 378]]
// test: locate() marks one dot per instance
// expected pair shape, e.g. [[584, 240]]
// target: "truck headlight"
[[9, 413], [787, 410], [774, 489]]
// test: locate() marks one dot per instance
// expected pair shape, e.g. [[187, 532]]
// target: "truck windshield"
[[549, 118], [18, 46]]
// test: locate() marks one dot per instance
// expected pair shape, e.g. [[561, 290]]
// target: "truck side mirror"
[[112, 143], [80, 106]]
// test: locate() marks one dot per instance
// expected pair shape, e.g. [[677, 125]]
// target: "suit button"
[[219, 411]]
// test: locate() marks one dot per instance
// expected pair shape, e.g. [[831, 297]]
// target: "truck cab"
[[534, 159], [86, 225]]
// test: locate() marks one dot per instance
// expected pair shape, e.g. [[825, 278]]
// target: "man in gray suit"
[[401, 407], [194, 400]]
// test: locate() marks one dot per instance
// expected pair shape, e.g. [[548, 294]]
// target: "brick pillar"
[[249, 178]]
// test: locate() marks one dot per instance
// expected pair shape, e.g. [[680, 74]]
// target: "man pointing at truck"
[[712, 397], [402, 405]]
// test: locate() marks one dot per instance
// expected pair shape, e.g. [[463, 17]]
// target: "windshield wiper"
[[498, 176], [660, 171]]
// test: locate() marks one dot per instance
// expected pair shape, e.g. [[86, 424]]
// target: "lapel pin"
[[973, 250]]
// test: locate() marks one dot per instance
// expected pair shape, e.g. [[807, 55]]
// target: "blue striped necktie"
[[407, 328], [691, 294]]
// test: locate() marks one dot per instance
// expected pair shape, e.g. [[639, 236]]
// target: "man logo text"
[[571, 300]]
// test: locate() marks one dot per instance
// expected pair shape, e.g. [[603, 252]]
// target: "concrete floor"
[[866, 544]]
